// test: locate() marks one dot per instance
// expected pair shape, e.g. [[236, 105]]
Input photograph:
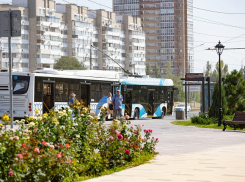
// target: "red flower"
[[119, 136], [44, 143], [23, 145], [156, 138], [69, 160], [67, 145], [127, 151], [35, 129]]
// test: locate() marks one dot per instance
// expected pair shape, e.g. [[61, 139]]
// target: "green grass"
[[213, 126], [144, 158]]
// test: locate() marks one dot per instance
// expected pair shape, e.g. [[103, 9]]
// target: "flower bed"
[[56, 147]]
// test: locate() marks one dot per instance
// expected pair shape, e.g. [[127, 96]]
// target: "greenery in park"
[[52, 147], [69, 63], [148, 70], [213, 110], [215, 73], [235, 92], [157, 71]]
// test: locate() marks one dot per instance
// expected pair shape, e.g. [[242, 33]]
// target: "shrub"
[[56, 147], [203, 119]]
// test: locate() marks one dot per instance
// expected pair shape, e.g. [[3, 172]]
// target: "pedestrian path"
[[188, 154], [223, 164]]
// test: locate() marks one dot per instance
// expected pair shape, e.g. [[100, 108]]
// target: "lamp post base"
[[220, 117]]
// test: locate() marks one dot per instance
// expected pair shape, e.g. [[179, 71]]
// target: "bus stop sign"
[[12, 17]]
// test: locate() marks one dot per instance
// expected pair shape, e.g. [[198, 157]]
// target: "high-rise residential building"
[[168, 25], [101, 39]]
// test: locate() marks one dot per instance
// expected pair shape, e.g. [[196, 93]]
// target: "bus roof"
[[147, 81], [88, 74]]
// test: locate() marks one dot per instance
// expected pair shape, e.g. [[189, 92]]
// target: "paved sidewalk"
[[224, 164], [188, 154]]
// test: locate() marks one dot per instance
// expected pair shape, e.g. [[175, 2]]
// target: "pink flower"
[[143, 125], [127, 116], [132, 127], [141, 137], [152, 137], [69, 160], [127, 151], [58, 155], [154, 148], [117, 132], [37, 150], [119, 136], [111, 137], [11, 138], [150, 130], [11, 173], [156, 139], [16, 138], [19, 156]]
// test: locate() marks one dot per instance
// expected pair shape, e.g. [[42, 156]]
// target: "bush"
[[53, 147], [203, 119]]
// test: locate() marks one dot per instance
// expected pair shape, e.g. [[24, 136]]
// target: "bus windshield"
[[20, 84]]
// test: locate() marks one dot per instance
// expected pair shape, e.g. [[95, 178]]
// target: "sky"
[[209, 27]]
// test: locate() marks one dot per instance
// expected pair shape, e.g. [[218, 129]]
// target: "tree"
[[213, 110], [208, 69], [69, 63], [223, 68], [148, 70], [235, 93], [157, 71]]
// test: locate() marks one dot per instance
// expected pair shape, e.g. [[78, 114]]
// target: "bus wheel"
[[162, 115], [136, 114]]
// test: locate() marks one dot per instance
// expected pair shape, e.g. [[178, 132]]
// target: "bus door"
[[128, 101], [115, 87], [85, 93], [150, 98], [48, 95]]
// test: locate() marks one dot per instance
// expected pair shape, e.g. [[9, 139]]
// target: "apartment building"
[[168, 25], [51, 30]]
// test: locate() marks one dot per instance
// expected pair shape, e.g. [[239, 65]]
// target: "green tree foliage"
[[242, 70], [69, 63], [157, 71], [215, 73], [235, 92], [223, 67], [177, 83], [213, 110], [208, 69], [148, 70]]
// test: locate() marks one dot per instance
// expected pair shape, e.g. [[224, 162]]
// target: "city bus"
[[46, 89]]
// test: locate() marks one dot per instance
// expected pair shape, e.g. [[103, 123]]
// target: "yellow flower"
[[56, 121], [1, 125], [31, 118], [45, 115], [36, 111], [5, 118]]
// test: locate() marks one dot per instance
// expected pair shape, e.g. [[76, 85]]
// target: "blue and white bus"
[[46, 89]]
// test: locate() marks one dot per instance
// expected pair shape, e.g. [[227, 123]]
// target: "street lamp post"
[[219, 49]]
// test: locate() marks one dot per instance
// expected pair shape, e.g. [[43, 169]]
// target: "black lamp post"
[[219, 48]]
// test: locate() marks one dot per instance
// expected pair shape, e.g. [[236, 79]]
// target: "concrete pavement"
[[188, 154]]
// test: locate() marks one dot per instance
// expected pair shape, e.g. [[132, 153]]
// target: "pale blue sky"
[[226, 34]]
